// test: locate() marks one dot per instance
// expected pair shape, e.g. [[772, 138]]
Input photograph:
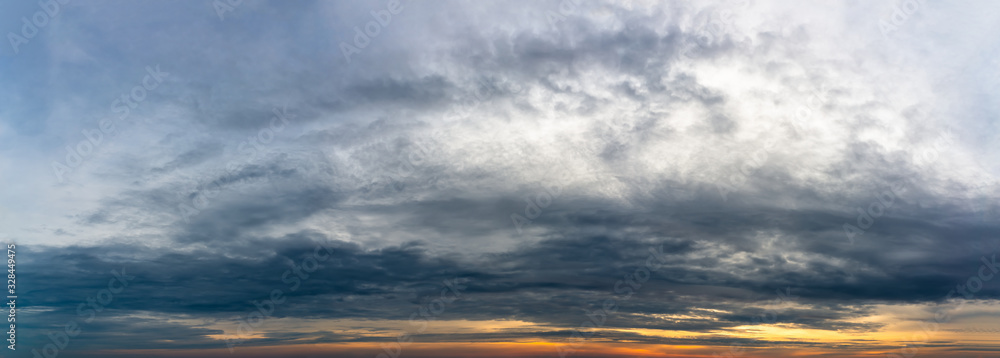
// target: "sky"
[[736, 178]]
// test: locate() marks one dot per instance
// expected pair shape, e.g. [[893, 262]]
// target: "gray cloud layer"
[[740, 136]]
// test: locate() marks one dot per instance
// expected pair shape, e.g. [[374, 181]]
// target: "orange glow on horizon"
[[491, 350], [892, 328]]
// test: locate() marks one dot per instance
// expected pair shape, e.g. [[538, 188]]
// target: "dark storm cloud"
[[545, 282]]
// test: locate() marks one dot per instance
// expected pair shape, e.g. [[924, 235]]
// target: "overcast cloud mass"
[[739, 178]]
